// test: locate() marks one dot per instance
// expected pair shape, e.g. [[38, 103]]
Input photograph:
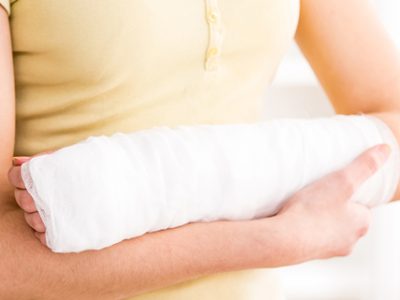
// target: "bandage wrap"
[[105, 189]]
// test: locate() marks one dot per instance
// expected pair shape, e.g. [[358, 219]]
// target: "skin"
[[359, 68]]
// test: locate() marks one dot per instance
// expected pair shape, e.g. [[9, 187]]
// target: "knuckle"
[[360, 218], [371, 163], [363, 226], [363, 230]]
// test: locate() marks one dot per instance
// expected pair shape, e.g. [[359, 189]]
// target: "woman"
[[85, 68]]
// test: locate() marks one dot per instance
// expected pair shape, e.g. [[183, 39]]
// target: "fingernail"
[[18, 160]]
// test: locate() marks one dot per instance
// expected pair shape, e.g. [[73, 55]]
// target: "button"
[[212, 16], [212, 52]]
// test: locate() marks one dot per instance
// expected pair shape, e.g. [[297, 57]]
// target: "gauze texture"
[[103, 190]]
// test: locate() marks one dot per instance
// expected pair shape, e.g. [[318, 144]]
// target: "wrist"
[[282, 242], [239, 245]]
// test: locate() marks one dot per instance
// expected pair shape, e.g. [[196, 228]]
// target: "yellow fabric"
[[96, 67], [259, 284]]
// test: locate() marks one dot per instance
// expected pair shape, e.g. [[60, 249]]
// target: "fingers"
[[14, 174], [41, 236], [363, 167], [15, 178], [24, 200], [35, 221]]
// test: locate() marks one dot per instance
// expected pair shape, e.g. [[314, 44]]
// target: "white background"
[[372, 272]]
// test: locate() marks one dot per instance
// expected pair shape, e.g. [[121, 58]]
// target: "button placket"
[[215, 37]]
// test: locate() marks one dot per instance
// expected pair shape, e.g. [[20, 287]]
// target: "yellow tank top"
[[97, 67]]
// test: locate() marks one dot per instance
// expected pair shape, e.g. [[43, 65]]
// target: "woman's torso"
[[96, 67]]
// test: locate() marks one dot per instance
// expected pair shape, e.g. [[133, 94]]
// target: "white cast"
[[106, 189]]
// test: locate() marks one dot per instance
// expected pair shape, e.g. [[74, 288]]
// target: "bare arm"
[[304, 230], [353, 57], [30, 270], [131, 267]]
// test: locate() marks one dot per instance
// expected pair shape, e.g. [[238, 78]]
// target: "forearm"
[[30, 270]]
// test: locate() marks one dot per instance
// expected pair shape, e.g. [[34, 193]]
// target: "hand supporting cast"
[[321, 220], [105, 189]]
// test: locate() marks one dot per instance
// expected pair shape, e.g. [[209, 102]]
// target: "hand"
[[321, 221], [24, 199]]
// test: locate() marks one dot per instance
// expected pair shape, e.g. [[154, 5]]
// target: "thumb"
[[366, 164]]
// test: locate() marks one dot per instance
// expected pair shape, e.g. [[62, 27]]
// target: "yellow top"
[[96, 67]]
